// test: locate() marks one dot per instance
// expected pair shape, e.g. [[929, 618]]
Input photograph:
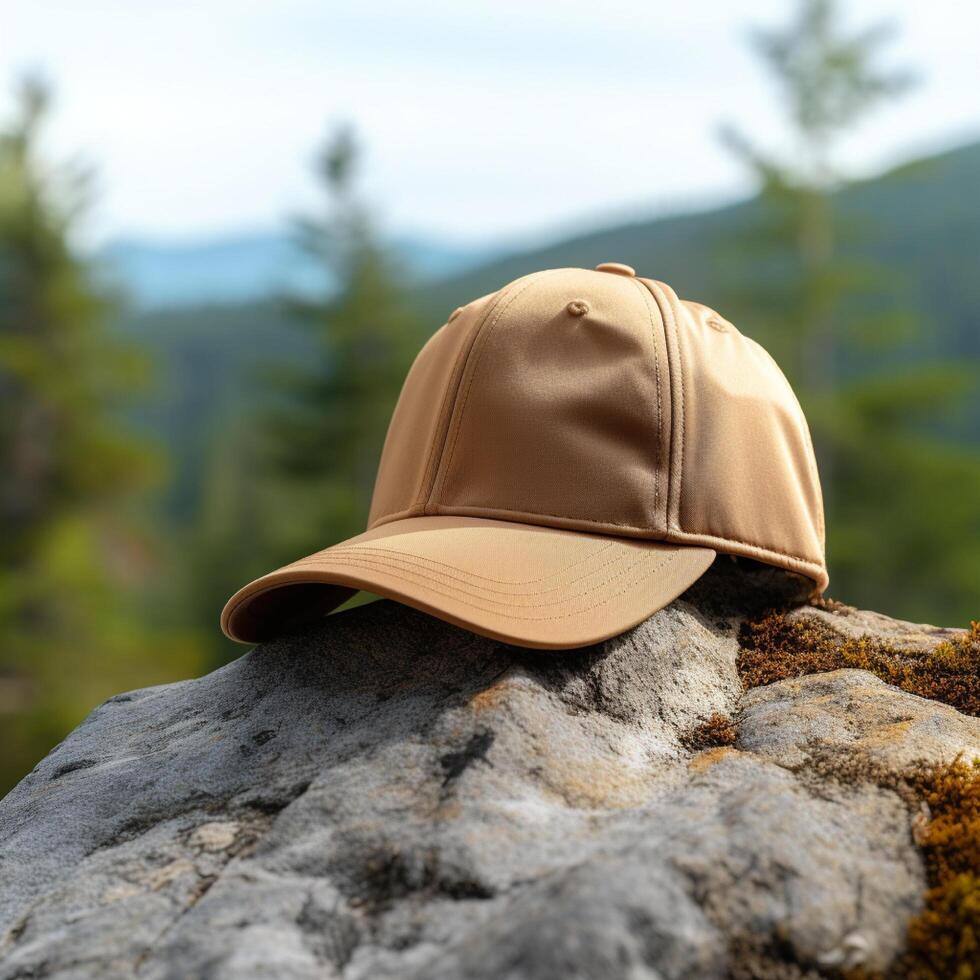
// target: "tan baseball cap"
[[567, 456]]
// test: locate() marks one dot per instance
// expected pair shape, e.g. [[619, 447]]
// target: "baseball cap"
[[567, 455]]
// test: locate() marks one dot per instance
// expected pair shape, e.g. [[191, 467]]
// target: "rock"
[[387, 796], [844, 711]]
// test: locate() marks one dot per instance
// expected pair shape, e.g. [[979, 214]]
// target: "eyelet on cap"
[[617, 268]]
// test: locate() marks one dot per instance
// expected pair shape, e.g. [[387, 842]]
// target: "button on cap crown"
[[616, 267]]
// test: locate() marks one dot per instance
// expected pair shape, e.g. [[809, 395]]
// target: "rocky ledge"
[[728, 790]]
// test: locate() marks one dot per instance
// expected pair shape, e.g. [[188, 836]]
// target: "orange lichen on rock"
[[775, 647], [711, 757], [490, 697]]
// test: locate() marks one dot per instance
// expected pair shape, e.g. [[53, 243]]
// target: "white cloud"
[[480, 119]]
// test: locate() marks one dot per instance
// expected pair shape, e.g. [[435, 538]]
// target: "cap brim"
[[520, 583]]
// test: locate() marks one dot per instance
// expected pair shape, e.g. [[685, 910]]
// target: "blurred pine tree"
[[899, 536], [297, 474], [324, 437], [67, 555]]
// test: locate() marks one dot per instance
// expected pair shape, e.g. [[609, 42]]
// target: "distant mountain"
[[247, 267], [920, 222], [922, 219]]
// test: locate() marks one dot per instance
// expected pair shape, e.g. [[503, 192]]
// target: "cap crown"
[[601, 402]]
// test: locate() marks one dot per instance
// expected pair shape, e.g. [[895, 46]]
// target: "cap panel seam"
[[662, 294], [597, 527], [358, 549], [672, 341], [815, 569], [425, 485], [399, 515], [464, 509], [422, 571], [529, 517], [456, 423], [660, 409], [591, 526]]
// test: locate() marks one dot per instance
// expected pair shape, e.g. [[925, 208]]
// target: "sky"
[[481, 120]]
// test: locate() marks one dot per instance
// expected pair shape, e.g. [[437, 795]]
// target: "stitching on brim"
[[370, 562], [474, 605], [432, 572], [428, 571], [358, 549]]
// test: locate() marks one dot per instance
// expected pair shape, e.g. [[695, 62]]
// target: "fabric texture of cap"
[[567, 456]]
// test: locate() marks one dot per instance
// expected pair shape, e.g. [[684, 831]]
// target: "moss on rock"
[[716, 731], [944, 938], [774, 647]]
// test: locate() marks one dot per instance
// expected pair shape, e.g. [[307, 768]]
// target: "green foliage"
[[66, 554], [900, 535], [285, 464], [328, 427], [828, 80], [61, 373]]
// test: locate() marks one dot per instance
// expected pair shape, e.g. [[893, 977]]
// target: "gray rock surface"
[[387, 796]]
